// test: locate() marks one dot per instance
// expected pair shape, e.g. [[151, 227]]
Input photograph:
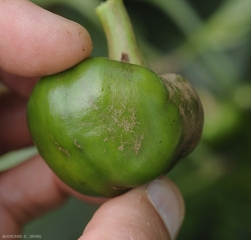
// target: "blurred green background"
[[209, 43]]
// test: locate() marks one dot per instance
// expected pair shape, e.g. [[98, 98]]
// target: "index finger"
[[35, 42]]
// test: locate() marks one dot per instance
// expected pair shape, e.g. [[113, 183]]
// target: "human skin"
[[153, 211]]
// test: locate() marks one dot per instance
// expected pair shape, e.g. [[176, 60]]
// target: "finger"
[[28, 191], [151, 212], [14, 130], [21, 85], [36, 42]]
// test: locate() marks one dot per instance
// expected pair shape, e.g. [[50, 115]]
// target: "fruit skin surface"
[[106, 126]]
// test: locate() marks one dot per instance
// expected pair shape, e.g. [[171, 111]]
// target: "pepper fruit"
[[105, 126]]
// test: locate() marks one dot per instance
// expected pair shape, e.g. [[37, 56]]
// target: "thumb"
[[153, 211]]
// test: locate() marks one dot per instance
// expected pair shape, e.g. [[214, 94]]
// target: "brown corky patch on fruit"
[[185, 97]]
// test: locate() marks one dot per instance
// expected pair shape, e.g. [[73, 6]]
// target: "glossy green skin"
[[105, 126]]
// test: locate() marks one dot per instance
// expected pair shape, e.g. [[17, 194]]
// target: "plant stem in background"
[[122, 43]]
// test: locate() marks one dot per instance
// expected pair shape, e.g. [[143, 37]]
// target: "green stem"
[[122, 44]]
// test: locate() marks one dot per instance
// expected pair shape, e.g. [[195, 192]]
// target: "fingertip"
[[36, 42]]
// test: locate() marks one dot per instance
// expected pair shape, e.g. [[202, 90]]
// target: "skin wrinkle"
[[136, 228], [135, 225], [142, 231], [27, 198], [127, 233], [46, 48], [132, 230], [22, 204]]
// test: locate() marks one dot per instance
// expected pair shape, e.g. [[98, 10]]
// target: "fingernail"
[[168, 202]]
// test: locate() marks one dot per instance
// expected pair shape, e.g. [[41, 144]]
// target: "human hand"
[[33, 43]]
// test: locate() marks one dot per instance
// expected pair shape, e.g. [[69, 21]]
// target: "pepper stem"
[[122, 43]]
